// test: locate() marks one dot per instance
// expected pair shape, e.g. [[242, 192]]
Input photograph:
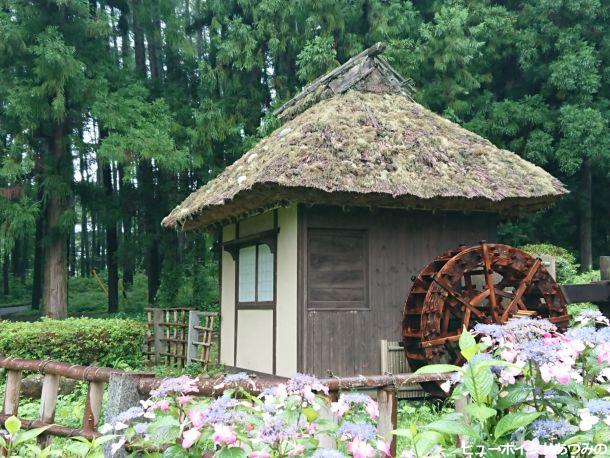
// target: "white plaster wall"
[[255, 224], [286, 320], [255, 327], [227, 302], [255, 340]]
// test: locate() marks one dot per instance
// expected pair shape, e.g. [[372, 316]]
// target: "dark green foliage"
[[168, 93], [84, 341], [565, 262]]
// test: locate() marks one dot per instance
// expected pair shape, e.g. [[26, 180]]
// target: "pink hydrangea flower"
[[384, 447], [259, 454], [224, 435], [189, 437], [339, 408], [361, 449], [163, 404], [372, 408], [184, 400], [197, 417]]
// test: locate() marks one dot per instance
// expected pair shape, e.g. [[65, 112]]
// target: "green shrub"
[[565, 262], [85, 341]]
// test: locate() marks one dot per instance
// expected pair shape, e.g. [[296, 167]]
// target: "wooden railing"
[[126, 389], [95, 377]]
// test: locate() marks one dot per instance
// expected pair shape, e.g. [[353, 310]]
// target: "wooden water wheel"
[[486, 283]]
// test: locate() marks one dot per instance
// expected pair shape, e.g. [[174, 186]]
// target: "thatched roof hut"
[[324, 222], [354, 136]]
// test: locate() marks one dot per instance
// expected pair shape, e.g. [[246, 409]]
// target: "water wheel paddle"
[[486, 283]]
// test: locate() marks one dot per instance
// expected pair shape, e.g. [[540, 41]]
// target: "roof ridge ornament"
[[345, 77]]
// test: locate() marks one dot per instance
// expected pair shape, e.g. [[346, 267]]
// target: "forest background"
[[112, 111]]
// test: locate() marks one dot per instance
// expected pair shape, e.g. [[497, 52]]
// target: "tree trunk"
[[37, 277], [126, 195], [586, 252], [150, 229], [138, 40], [6, 271], [55, 293], [111, 242]]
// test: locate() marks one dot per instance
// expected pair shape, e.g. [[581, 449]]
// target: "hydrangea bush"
[[531, 391], [285, 420]]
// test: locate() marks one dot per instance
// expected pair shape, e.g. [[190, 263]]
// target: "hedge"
[[104, 342]]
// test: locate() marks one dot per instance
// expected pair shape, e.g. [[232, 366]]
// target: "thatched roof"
[[354, 137]]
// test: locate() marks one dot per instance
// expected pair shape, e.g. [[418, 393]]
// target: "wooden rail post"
[[93, 405], [48, 402], [386, 398], [11, 392], [604, 267]]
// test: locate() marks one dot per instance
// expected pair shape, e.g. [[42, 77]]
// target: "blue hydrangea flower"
[[603, 335], [539, 351], [548, 429], [599, 407], [588, 334], [365, 431]]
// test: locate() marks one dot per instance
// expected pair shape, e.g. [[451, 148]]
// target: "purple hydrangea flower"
[[128, 415], [355, 398], [599, 407], [275, 430], [539, 351], [220, 410], [141, 428], [517, 329], [362, 430], [546, 428], [238, 377], [180, 385]]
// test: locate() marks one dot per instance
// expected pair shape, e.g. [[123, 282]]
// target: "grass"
[[413, 414]]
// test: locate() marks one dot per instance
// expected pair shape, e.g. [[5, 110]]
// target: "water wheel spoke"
[[460, 299], [489, 281], [527, 280]]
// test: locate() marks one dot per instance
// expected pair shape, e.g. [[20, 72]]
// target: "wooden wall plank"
[[400, 244]]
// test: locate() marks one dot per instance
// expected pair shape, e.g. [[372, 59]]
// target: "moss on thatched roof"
[[369, 147]]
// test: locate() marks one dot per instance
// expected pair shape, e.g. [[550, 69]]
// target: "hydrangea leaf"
[[480, 412], [514, 421]]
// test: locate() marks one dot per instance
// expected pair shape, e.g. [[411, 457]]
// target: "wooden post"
[[386, 398], [93, 405], [550, 264], [192, 336], [157, 334], [325, 440], [604, 267], [48, 401], [11, 392], [460, 407]]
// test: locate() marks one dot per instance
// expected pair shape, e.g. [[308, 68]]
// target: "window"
[[256, 275], [337, 269]]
